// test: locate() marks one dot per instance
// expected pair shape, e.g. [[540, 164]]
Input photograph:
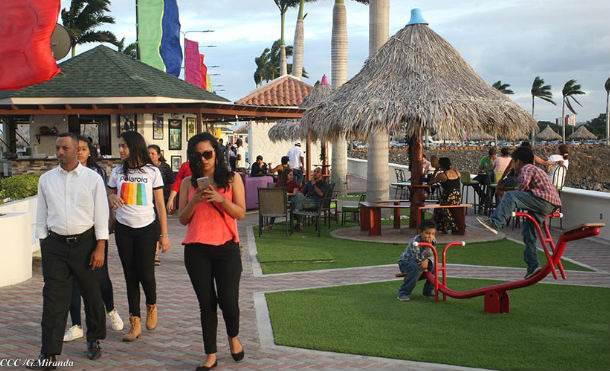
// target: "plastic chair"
[[355, 210], [468, 182], [558, 179], [272, 203]]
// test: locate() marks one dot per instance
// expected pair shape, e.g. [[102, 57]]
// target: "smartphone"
[[203, 182]]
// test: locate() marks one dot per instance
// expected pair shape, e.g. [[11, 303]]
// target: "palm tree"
[[130, 50], [503, 88], [262, 67], [570, 89], [299, 35], [83, 17], [377, 179], [539, 90], [283, 6], [268, 63], [338, 78], [607, 112]]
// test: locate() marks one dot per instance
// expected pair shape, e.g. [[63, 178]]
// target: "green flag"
[[150, 18]]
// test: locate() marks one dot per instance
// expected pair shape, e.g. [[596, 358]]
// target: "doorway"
[[96, 127]]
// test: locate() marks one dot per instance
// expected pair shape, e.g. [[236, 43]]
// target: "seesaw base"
[[497, 302]]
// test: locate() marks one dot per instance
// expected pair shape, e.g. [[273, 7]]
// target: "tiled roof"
[[103, 72], [286, 91]]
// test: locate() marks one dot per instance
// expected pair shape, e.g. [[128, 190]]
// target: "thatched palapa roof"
[[582, 133], [548, 134], [417, 80], [292, 129]]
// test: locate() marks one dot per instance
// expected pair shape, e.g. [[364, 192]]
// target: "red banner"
[[204, 72], [26, 27]]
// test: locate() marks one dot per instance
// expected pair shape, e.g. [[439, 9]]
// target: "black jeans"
[[206, 265], [137, 252], [61, 264], [105, 287]]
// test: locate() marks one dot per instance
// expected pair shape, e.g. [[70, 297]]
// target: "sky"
[[513, 41]]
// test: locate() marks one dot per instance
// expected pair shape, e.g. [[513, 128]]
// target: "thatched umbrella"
[[582, 133], [548, 134], [414, 82], [293, 130]]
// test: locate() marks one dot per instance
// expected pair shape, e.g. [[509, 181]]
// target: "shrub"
[[19, 186]]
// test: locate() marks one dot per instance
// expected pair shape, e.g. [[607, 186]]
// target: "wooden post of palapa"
[[418, 195]]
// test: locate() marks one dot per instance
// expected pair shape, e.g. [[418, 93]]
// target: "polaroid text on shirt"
[[133, 179]]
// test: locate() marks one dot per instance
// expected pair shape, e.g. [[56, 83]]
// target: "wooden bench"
[[457, 211], [370, 214]]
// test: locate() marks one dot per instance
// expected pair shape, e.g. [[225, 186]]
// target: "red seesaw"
[[496, 296]]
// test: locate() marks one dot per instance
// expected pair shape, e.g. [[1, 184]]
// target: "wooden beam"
[[41, 107], [199, 123], [14, 107]]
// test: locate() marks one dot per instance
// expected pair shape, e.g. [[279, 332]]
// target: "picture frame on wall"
[[191, 127], [175, 134], [127, 122], [157, 127], [176, 162]]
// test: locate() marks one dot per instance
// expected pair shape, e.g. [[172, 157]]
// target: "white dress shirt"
[[294, 157], [72, 202]]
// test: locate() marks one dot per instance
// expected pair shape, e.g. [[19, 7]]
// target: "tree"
[[607, 86], [338, 78], [299, 35], [283, 6], [83, 17], [597, 125], [539, 90], [130, 50], [503, 88], [570, 89], [268, 63], [377, 177]]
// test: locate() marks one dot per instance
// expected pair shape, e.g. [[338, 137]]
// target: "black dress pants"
[[215, 272], [62, 263]]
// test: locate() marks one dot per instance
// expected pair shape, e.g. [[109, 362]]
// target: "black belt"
[[72, 239]]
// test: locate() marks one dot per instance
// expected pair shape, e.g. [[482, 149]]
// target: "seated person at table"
[[425, 166], [536, 194], [282, 166], [311, 196], [558, 159], [486, 173], [432, 171], [290, 186], [449, 180], [417, 259], [500, 163], [259, 168]]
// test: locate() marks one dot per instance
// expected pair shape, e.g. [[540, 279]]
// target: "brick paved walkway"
[[177, 345]]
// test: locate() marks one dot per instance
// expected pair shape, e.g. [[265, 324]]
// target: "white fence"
[[17, 228]]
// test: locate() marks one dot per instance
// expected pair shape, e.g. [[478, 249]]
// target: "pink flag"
[[192, 64]]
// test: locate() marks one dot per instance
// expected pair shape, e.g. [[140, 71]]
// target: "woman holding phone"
[[211, 201], [136, 187]]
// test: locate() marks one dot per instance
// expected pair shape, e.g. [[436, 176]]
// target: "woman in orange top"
[[211, 245]]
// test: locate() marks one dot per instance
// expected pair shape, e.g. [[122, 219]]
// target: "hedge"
[[18, 186]]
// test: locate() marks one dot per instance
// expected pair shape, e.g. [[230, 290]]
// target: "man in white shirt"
[[240, 161], [295, 160], [72, 225]]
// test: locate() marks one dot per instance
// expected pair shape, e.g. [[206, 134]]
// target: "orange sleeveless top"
[[207, 226]]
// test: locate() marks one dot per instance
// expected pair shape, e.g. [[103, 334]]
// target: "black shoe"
[[93, 350], [533, 272], [44, 362], [238, 356], [206, 368]]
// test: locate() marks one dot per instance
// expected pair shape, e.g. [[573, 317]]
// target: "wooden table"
[[370, 214]]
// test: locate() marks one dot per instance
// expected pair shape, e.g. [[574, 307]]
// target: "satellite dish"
[[60, 42]]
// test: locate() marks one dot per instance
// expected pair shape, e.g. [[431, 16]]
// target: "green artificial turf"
[[549, 327], [305, 251]]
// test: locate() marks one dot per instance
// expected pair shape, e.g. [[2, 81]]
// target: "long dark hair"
[[445, 163], [283, 178], [222, 175], [91, 162], [138, 152], [158, 150], [564, 151]]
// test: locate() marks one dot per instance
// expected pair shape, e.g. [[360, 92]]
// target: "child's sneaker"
[[403, 298], [488, 224], [531, 273], [73, 333]]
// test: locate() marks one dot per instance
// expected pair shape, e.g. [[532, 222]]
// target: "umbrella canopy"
[[292, 129], [289, 130], [548, 134], [582, 133], [417, 80]]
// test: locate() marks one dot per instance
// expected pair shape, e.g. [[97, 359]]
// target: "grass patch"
[[349, 198], [549, 327], [305, 251]]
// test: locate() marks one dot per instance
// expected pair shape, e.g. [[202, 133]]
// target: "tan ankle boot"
[[151, 316], [135, 330]]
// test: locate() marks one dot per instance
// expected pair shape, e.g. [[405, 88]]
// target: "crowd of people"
[[79, 207]]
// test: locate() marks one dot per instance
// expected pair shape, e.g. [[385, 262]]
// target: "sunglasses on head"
[[206, 154]]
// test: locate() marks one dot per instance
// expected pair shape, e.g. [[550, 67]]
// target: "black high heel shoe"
[[206, 368], [238, 356]]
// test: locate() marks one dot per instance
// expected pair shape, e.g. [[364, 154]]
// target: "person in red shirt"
[[536, 194], [185, 170]]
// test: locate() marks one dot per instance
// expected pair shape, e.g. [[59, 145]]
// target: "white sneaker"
[[115, 320], [73, 333]]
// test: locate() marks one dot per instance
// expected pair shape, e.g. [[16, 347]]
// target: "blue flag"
[[171, 52]]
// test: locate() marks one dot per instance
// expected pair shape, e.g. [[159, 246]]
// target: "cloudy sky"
[[512, 41]]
